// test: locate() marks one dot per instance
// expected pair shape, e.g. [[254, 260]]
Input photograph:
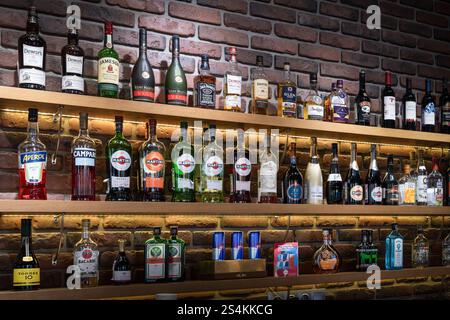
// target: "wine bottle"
[[353, 189], [108, 66], [373, 191], [409, 108], [121, 268], [142, 77], [428, 109], [388, 102], [313, 177], [362, 102], [390, 184], [72, 58], [444, 103], [334, 183], [176, 83], [293, 180]]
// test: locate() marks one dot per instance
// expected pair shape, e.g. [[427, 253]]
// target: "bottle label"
[[26, 277], [389, 108], [377, 194], [34, 164], [176, 96], [153, 162], [446, 114], [243, 185], [365, 107], [429, 114], [260, 89], [234, 84], [315, 111], [410, 110], [327, 260], [74, 64], [213, 166], [409, 193], [289, 94], [186, 163], [421, 254], [175, 265], [391, 194], [214, 185], [120, 182], [155, 261], [87, 260], [143, 92], [340, 108], [121, 160], [398, 253], [315, 194], [334, 177], [33, 56], [243, 167], [206, 94], [121, 276], [294, 192], [356, 193], [435, 196], [32, 76], [185, 183], [421, 189], [268, 176], [232, 102], [72, 83], [84, 157], [108, 70]]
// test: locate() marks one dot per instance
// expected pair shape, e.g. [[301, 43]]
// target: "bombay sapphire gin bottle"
[[394, 249]]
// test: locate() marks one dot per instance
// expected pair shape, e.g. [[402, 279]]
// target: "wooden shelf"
[[230, 209], [142, 290], [18, 98]]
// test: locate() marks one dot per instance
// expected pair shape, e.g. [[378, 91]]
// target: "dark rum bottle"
[[142, 77], [176, 83], [390, 184], [72, 61], [242, 169]]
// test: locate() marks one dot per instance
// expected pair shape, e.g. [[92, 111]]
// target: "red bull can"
[[218, 246], [237, 245], [254, 245]]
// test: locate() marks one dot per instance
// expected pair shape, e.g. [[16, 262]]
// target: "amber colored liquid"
[[32, 191]]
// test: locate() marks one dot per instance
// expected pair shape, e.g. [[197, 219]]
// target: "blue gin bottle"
[[394, 249]]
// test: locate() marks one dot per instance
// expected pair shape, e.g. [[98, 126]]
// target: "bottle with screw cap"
[[205, 86]]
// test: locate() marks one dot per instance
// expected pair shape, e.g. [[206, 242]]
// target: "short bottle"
[[390, 184], [407, 188], [121, 269], [86, 257], [176, 256], [205, 86], [313, 177], [314, 106], [388, 102], [267, 177], [176, 83], [155, 254], [435, 186], [287, 95], [353, 187], [293, 179], [363, 104], [340, 104], [326, 258], [72, 60], [373, 191], [334, 185], [428, 109], [108, 66], [142, 77], [212, 169], [420, 250], [260, 88], [394, 249], [409, 108], [421, 181], [366, 252], [241, 172], [232, 85]]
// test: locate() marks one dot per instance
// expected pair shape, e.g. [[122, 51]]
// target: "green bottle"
[[176, 84], [155, 257], [212, 169], [108, 66], [183, 165], [176, 250]]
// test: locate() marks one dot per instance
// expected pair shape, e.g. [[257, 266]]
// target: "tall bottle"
[[420, 250], [176, 83], [435, 186], [390, 184], [287, 94], [313, 177], [363, 104], [26, 270], [108, 66], [260, 88], [353, 189], [32, 54], [314, 108], [86, 257], [334, 183], [407, 188], [176, 256], [32, 162], [388, 102], [205, 86], [152, 166], [242, 171], [428, 109], [118, 165], [267, 178], [142, 77], [156, 257], [293, 179], [421, 182], [394, 249], [409, 108], [72, 60], [212, 169], [444, 103], [326, 259], [183, 165], [121, 268], [373, 192], [340, 104], [327, 103], [83, 163], [232, 85]]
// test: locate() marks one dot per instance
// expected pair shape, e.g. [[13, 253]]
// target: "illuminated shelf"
[[143, 290], [48, 101]]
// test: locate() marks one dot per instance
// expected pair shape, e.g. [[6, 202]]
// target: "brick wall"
[[328, 37]]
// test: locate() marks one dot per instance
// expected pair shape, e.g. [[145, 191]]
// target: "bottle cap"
[[333, 86], [373, 147], [183, 125], [175, 43], [108, 27], [313, 77], [388, 78], [259, 60], [85, 222], [428, 85], [32, 115], [152, 122], [287, 66], [334, 148], [118, 119], [143, 37], [232, 50], [394, 226], [408, 83], [173, 230], [340, 84], [157, 231]]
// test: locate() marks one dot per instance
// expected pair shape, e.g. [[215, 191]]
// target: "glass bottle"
[[388, 102], [422, 181], [176, 83], [121, 269], [287, 95], [435, 186], [364, 255], [293, 179], [363, 104], [420, 250], [406, 188], [373, 248], [199, 144], [260, 88], [394, 249], [205, 86], [152, 166], [428, 109], [409, 108], [313, 177], [340, 104], [300, 105], [327, 103], [32, 162], [334, 183], [373, 192], [72, 60], [326, 258], [86, 257], [212, 169], [444, 103], [267, 178], [390, 184], [108, 66], [155, 254], [83, 163], [142, 77], [232, 84], [176, 256], [446, 251], [242, 171], [353, 189], [314, 109]]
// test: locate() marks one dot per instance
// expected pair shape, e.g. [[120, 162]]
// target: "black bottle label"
[[206, 94]]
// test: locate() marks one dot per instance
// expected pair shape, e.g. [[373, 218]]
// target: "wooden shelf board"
[[140, 290]]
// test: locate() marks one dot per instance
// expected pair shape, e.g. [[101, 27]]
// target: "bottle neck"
[[362, 84], [109, 40], [183, 134], [119, 130], [33, 130], [85, 233], [84, 133], [72, 39], [327, 239], [26, 245], [313, 87], [373, 161], [353, 162], [313, 153], [32, 24], [152, 133], [287, 75], [142, 45]]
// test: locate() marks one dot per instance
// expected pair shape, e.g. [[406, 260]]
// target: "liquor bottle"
[[108, 66], [242, 171], [267, 178], [394, 249], [83, 163], [390, 184], [137, 164], [293, 179], [86, 256], [366, 252], [326, 258], [388, 102], [199, 144], [327, 104], [420, 250], [260, 88], [176, 256], [407, 188], [232, 85], [212, 169], [205, 86], [313, 177], [409, 108], [373, 248], [142, 77], [446, 251], [32, 55], [314, 109], [287, 94], [118, 165], [435, 186], [334, 182], [421, 181], [444, 103], [428, 109], [448, 186], [156, 253], [183, 165], [32, 162], [353, 189], [300, 105], [26, 271], [121, 269], [72, 60], [340, 104], [363, 104], [152, 166], [373, 192], [176, 83]]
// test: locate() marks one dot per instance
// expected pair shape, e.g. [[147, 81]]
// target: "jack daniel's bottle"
[[205, 86]]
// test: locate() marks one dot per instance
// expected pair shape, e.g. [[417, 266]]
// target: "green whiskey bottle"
[[176, 84], [176, 256], [108, 66], [155, 257]]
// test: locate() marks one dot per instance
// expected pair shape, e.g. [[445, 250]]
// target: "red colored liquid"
[[32, 191], [83, 183]]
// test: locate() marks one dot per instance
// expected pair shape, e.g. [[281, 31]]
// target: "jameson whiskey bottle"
[[373, 192], [293, 180], [176, 256], [26, 271], [334, 183], [86, 257], [121, 268], [176, 84], [362, 102], [354, 193], [108, 66], [118, 165], [287, 94], [205, 86], [232, 85], [212, 169], [72, 60], [260, 88], [242, 169], [32, 55], [156, 253], [142, 77]]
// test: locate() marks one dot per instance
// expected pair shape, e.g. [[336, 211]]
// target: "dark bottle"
[[176, 84], [373, 192], [388, 102], [390, 184], [362, 102], [242, 172], [118, 165], [205, 86], [108, 66], [83, 163], [409, 108], [293, 180], [26, 271], [32, 55], [444, 103], [72, 61], [334, 183], [367, 252], [354, 193], [142, 77], [373, 248], [176, 256], [428, 109], [121, 268]]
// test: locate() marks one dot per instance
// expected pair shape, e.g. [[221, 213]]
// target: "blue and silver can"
[[237, 245], [218, 246], [254, 245]]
